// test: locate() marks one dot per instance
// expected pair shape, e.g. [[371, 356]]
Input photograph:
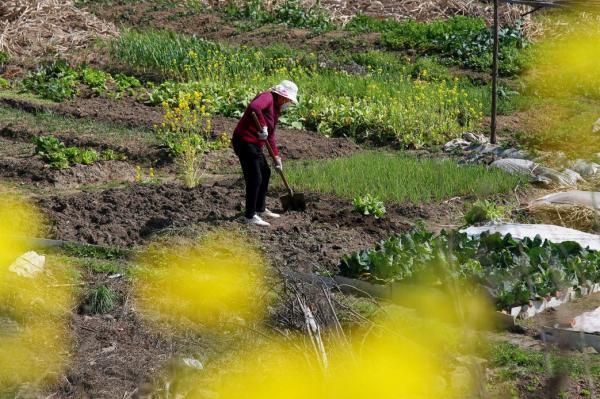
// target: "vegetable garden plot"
[[514, 272], [132, 215]]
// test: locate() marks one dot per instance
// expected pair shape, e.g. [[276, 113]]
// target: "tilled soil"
[[115, 354], [308, 241], [18, 164], [294, 144]]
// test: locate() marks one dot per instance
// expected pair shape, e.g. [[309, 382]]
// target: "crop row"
[[512, 271], [383, 104]]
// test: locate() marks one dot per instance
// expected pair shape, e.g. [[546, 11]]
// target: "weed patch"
[[100, 300]]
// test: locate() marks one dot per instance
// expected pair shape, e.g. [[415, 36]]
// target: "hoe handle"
[[272, 154]]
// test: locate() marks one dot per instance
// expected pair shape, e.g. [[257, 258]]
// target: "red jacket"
[[266, 109]]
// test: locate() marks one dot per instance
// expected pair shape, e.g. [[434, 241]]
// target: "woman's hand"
[[278, 163], [263, 134]]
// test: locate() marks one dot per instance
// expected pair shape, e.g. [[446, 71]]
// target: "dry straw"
[[573, 216], [41, 27], [418, 9], [344, 10]]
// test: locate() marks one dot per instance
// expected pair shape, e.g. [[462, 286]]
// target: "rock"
[[596, 128], [475, 138], [521, 166]]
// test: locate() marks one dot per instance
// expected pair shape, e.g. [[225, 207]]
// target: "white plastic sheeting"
[[28, 264], [556, 234], [588, 322], [590, 199], [511, 165]]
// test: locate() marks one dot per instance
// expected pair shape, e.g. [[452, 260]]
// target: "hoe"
[[292, 201]]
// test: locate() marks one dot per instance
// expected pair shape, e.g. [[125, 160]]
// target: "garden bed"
[[18, 164], [133, 215], [294, 144]]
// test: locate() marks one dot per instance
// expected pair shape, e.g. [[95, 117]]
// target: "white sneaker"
[[256, 220], [269, 214]]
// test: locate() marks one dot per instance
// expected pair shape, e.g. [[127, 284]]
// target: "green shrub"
[[484, 211], [427, 68], [369, 205]]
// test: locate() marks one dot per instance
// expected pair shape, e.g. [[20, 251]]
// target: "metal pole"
[[495, 74]]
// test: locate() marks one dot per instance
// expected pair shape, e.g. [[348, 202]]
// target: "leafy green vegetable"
[[484, 211], [513, 271], [59, 156], [369, 205]]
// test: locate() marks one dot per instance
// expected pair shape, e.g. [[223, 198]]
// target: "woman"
[[248, 141]]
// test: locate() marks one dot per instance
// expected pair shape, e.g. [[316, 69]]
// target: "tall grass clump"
[[399, 178], [382, 105]]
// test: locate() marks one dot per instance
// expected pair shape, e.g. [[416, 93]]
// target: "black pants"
[[256, 175]]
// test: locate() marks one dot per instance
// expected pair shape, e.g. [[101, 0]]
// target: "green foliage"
[[291, 13], [112, 155], [369, 205], [100, 300], [59, 156], [4, 57], [102, 266], [484, 211], [383, 106], [362, 23], [465, 41], [4, 84], [93, 251], [56, 81], [397, 178], [513, 271], [59, 82], [380, 106], [126, 83], [95, 79]]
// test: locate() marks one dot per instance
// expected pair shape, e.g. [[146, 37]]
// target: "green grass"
[[100, 300], [51, 123], [398, 178], [518, 364], [94, 252]]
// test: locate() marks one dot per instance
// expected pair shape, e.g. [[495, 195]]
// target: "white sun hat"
[[287, 89]]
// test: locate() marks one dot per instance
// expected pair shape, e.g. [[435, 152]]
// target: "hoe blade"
[[295, 202]]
